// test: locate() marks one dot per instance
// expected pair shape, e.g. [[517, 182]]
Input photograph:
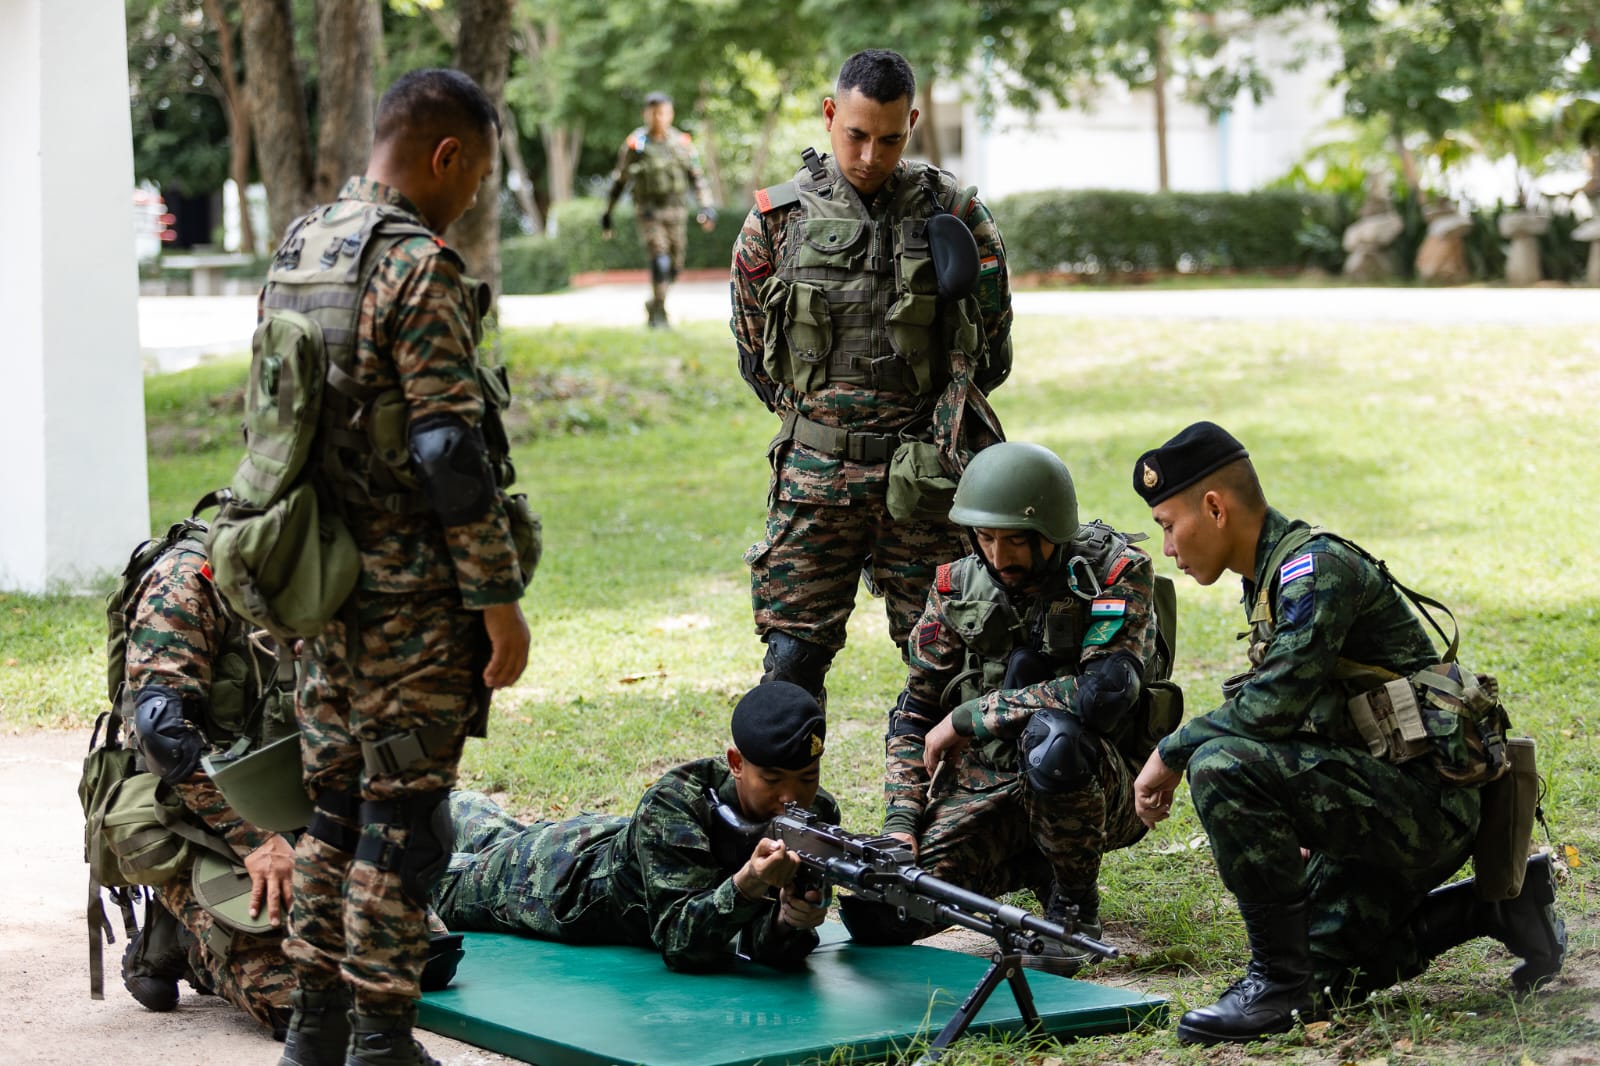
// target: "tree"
[[277, 111], [483, 52]]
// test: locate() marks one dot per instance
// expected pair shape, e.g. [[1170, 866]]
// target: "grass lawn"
[[1464, 457]]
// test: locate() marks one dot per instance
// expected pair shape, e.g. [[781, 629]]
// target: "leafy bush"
[[575, 246], [1101, 232]]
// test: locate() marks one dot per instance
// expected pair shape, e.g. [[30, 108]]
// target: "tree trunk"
[[708, 153], [347, 34], [769, 125], [237, 103], [928, 123], [562, 146], [483, 52], [277, 111], [1158, 87], [511, 152]]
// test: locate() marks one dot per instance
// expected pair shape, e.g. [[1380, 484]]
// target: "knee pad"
[[171, 744], [661, 271], [430, 835], [1057, 752], [797, 661]]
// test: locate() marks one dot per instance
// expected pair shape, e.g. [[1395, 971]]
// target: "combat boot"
[[1276, 986], [1527, 924], [318, 1033], [656, 313], [386, 1040], [155, 959], [1079, 911]]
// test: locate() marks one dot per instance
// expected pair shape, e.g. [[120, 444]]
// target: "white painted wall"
[[73, 486]]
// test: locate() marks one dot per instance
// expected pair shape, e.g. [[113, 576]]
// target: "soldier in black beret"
[[670, 877], [1282, 767]]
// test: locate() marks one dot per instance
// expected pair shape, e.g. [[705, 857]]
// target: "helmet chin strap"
[[1040, 569]]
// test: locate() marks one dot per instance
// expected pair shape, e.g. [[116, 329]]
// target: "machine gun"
[[883, 870]]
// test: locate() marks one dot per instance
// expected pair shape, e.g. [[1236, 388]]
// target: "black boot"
[[1527, 925], [154, 961], [1275, 988], [319, 1029], [386, 1040], [444, 955], [1079, 911]]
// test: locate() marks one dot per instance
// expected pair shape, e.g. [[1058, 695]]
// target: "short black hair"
[[878, 74], [432, 104]]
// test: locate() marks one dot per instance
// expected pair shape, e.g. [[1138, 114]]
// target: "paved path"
[[178, 331]]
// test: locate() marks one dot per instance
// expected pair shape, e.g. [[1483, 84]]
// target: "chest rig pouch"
[[856, 298], [658, 169]]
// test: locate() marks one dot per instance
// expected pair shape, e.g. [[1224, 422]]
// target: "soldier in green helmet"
[[660, 163], [1035, 673]]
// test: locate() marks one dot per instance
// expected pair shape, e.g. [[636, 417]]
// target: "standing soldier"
[[398, 680], [1036, 674], [871, 312], [197, 682], [660, 162]]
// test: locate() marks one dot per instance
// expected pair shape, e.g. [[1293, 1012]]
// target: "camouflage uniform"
[[1279, 766], [660, 171], [657, 879], [986, 828], [178, 638], [408, 649], [827, 518]]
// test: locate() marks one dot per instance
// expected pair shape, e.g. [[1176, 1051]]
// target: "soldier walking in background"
[[399, 679], [659, 162], [871, 313]]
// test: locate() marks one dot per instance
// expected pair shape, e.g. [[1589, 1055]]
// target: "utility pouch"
[[1390, 721], [1505, 830], [527, 533], [808, 327], [1158, 713], [919, 485]]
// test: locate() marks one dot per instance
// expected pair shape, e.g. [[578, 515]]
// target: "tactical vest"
[[1055, 623], [854, 299], [321, 270], [658, 170]]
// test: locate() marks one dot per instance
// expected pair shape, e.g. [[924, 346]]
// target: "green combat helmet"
[[264, 787], [1018, 486]]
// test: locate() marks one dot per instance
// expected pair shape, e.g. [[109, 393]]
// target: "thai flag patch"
[[1108, 608], [1295, 568]]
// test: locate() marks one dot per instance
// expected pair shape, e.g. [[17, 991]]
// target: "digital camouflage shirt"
[[1121, 618], [1328, 604], [415, 330], [176, 636]]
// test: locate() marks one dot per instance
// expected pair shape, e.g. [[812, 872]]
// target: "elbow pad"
[[453, 463], [171, 744], [1108, 689]]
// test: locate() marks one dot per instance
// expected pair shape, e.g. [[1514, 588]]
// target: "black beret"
[[1184, 460], [779, 724], [657, 98]]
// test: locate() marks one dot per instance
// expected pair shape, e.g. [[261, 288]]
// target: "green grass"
[[1462, 456]]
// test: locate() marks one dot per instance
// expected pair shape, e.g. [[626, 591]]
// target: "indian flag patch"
[[1108, 616], [1294, 568], [988, 265], [1108, 608]]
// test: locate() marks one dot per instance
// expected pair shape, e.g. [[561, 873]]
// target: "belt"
[[842, 444]]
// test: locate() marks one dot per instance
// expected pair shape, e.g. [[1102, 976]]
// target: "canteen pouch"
[[919, 485], [527, 533], [1505, 831], [1390, 721]]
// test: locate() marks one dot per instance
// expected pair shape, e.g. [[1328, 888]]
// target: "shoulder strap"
[[773, 197]]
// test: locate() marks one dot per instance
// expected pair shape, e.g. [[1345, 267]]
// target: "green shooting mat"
[[568, 1005]]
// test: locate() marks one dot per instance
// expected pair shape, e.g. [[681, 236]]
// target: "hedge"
[[1102, 231], [547, 263]]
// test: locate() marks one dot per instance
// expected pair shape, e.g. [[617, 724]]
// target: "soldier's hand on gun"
[[908, 840], [508, 641], [271, 870], [1152, 790], [605, 226], [770, 866], [942, 743], [801, 911]]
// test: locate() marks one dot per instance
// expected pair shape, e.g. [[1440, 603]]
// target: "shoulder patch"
[[1108, 608], [927, 632], [754, 272], [683, 138], [1117, 568], [205, 570], [944, 581], [1298, 567], [775, 196]]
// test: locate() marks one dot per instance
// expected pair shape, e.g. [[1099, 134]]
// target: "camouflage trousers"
[[506, 877], [1381, 836], [248, 971], [988, 831], [663, 231], [804, 575], [415, 665]]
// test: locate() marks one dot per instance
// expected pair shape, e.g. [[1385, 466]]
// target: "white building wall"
[[72, 449]]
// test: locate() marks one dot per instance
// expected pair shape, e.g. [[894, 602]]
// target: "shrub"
[[1098, 231]]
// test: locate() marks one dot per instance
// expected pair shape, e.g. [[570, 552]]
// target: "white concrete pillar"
[[73, 488]]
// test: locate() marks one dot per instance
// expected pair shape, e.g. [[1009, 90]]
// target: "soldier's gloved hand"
[[707, 217], [605, 225]]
